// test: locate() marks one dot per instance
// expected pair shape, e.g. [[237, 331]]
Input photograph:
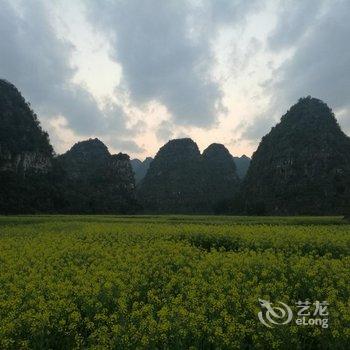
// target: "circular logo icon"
[[274, 315]]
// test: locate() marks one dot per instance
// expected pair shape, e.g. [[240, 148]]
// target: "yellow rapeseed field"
[[169, 282]]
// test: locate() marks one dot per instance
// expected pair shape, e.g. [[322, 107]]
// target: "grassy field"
[[170, 282]]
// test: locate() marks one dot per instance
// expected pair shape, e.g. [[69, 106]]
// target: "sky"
[[137, 73]]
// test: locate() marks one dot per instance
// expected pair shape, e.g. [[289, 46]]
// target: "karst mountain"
[[220, 175], [96, 181], [181, 180], [86, 179], [173, 183], [25, 156], [140, 168], [302, 166], [242, 165]]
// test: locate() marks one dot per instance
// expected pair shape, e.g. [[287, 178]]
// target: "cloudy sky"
[[136, 73]]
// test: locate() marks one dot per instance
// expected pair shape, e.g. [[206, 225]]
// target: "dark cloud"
[[320, 65], [318, 34], [159, 59], [295, 19], [228, 12], [38, 63], [164, 48]]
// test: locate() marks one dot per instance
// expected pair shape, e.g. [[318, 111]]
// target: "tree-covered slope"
[[23, 143], [222, 181], [181, 180], [174, 182], [94, 181], [25, 156], [86, 179], [302, 166]]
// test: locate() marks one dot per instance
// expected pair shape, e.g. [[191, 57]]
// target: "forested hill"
[[87, 179], [302, 166]]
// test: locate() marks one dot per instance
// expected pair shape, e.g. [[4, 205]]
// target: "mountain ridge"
[[181, 179], [302, 166]]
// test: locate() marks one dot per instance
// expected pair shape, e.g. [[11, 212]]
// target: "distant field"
[[170, 282]]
